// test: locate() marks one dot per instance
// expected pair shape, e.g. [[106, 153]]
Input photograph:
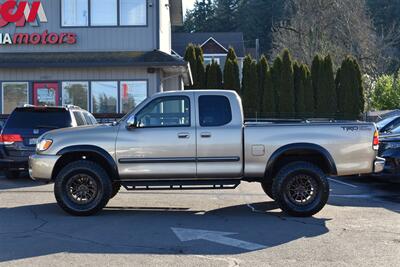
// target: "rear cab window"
[[214, 111], [30, 118]]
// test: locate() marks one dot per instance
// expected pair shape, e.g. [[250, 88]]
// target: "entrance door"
[[46, 94]]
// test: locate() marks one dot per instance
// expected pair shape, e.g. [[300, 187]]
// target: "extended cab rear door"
[[219, 135]]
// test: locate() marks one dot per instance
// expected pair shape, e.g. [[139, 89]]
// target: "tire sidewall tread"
[[281, 180], [98, 173]]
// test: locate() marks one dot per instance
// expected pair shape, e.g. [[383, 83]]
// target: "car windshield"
[[39, 118], [384, 122]]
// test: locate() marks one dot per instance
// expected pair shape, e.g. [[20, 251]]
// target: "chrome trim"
[[178, 160]]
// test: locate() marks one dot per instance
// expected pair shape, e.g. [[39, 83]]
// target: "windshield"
[[384, 122]]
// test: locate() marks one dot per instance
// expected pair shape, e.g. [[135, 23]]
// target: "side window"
[[214, 111], [165, 112], [79, 118], [87, 118]]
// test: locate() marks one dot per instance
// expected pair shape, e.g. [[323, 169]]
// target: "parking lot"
[[243, 227]]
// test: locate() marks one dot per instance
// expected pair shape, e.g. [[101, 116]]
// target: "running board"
[[180, 185]]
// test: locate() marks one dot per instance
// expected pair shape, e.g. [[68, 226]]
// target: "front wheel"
[[267, 188], [82, 188], [301, 189]]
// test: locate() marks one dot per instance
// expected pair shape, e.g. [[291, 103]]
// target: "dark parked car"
[[389, 149], [26, 124], [387, 124]]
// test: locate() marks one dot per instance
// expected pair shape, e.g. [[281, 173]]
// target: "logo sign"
[[21, 12]]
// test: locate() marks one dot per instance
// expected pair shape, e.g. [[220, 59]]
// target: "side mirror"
[[132, 123]]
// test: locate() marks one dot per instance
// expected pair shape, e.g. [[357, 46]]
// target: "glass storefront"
[[15, 94], [104, 97]]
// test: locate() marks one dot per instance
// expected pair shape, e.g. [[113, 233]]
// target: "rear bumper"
[[41, 167], [13, 165], [379, 164]]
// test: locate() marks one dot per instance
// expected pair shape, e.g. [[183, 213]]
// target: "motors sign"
[[22, 12]]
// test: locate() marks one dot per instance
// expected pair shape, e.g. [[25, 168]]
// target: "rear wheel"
[[267, 187], [301, 189], [12, 174], [82, 188]]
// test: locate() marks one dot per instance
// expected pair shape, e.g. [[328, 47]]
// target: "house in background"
[[215, 45]]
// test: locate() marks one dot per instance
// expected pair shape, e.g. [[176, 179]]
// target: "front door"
[[45, 94], [163, 143]]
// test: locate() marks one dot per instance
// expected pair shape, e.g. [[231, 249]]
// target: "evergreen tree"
[[190, 56], [200, 82], [309, 101], [324, 87], [276, 73], [263, 69], [231, 72], [286, 94], [299, 76], [268, 109], [201, 17], [350, 90], [214, 76], [250, 87]]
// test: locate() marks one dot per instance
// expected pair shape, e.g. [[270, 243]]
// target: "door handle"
[[205, 135], [183, 135]]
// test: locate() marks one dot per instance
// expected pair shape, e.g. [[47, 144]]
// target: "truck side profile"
[[199, 140]]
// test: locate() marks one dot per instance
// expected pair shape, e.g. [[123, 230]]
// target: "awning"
[[153, 59]]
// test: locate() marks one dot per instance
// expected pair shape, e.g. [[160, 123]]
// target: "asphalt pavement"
[[359, 227]]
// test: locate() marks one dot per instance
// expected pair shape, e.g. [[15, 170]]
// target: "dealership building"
[[105, 56]]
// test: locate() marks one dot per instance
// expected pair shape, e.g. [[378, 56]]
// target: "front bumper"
[[379, 164], [41, 167]]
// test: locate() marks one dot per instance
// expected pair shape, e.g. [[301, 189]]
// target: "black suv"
[[26, 124]]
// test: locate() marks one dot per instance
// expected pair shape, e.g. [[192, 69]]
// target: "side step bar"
[[180, 184]]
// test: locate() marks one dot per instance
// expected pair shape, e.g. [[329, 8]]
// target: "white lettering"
[[5, 38]]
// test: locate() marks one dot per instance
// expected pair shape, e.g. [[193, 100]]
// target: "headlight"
[[44, 145]]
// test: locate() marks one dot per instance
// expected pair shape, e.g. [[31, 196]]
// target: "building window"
[[104, 97], [132, 94], [132, 12], [75, 93], [75, 13], [15, 94], [103, 12], [209, 60]]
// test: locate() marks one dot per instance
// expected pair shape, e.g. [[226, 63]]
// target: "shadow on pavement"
[[38, 230], [21, 182], [369, 191]]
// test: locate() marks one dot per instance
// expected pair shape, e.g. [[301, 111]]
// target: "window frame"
[[120, 93], [181, 97], [91, 95], [118, 25], [214, 126], [87, 95], [2, 93], [72, 26]]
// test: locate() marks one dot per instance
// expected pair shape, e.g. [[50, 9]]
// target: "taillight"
[[375, 142], [9, 139]]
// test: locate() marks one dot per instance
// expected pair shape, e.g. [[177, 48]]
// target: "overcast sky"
[[187, 4]]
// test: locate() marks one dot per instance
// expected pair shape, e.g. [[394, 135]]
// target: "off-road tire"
[[97, 175], [284, 180], [267, 187], [12, 174], [116, 186]]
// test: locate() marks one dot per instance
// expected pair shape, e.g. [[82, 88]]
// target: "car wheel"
[[301, 189], [267, 187], [11, 174], [115, 189], [82, 188]]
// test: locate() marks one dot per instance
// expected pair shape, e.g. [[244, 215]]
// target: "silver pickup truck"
[[198, 140]]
